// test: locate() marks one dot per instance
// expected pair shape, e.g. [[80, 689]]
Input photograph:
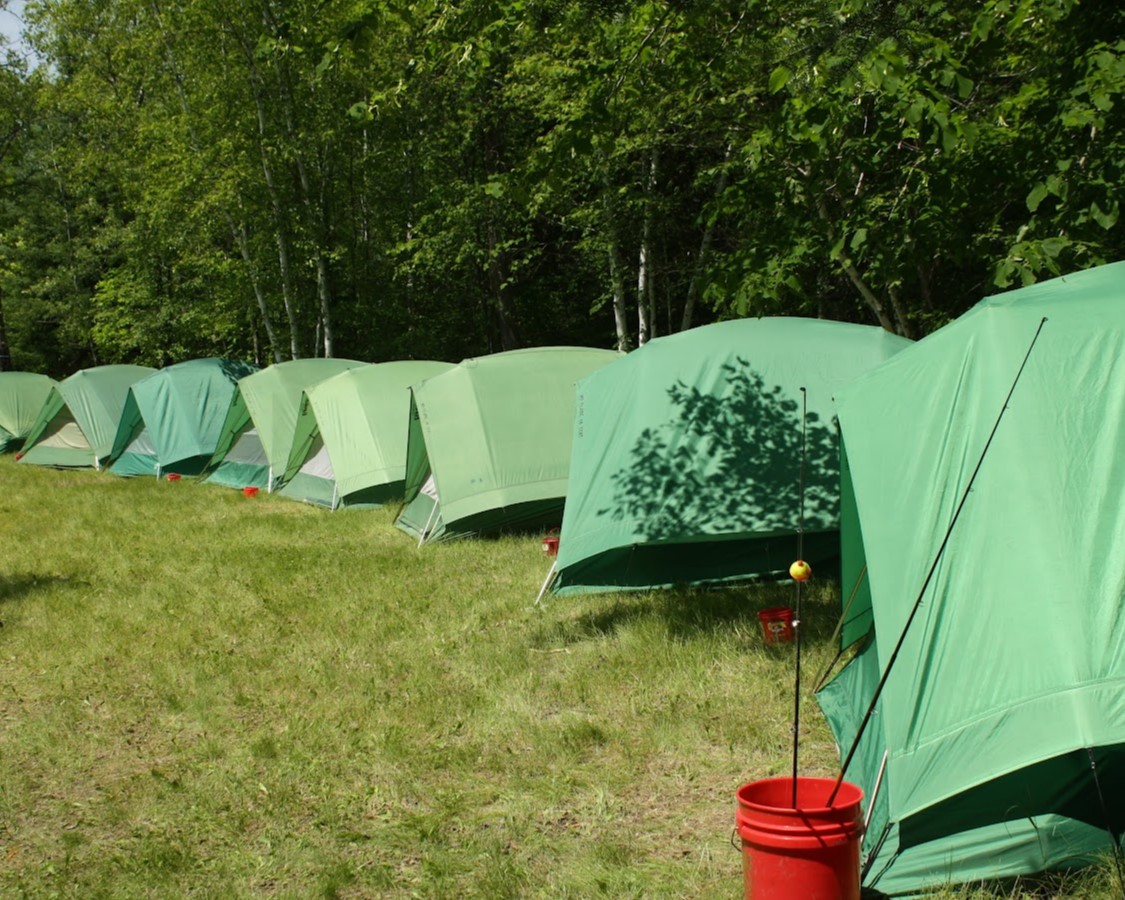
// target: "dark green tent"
[[173, 418], [1001, 729], [687, 454]]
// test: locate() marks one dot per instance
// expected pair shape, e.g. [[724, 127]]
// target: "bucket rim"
[[848, 796]]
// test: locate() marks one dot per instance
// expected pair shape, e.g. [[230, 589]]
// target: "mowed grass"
[[207, 695]]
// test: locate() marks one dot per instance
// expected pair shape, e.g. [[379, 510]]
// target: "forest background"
[[374, 179]]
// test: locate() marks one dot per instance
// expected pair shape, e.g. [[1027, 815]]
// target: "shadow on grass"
[[691, 612], [19, 586]]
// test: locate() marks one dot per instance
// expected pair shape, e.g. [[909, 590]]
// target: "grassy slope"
[[208, 695]]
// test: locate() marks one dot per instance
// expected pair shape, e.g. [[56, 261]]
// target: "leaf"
[[1052, 247], [360, 112], [1038, 195], [859, 238], [779, 77], [1106, 219]]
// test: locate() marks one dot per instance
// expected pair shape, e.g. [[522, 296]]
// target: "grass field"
[[207, 695]]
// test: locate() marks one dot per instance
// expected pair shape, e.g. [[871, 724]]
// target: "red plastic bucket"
[[173, 476], [551, 545], [811, 852], [250, 491], [777, 624]]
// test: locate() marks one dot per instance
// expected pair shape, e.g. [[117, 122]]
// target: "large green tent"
[[686, 465], [22, 395], [349, 448], [78, 421], [489, 442], [173, 418], [1002, 723], [253, 446]]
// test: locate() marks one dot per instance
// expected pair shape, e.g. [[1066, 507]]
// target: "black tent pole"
[[929, 575], [797, 617]]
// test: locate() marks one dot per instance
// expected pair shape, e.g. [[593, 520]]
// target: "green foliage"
[[378, 179]]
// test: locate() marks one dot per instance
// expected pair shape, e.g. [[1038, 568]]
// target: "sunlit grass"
[[218, 696]]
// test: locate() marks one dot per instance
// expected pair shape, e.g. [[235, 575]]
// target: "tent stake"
[[930, 574]]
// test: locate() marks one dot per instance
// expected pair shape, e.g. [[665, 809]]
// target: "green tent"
[[173, 418], [686, 465], [489, 442], [78, 421], [22, 395], [350, 443], [1002, 723], [253, 445]]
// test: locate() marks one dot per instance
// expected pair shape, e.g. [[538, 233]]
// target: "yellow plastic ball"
[[800, 571]]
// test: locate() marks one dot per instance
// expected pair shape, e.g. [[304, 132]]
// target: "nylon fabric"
[[696, 437], [494, 432], [270, 400], [360, 419], [1016, 659], [22, 395], [95, 400]]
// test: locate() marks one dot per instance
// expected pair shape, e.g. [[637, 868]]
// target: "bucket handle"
[[735, 841]]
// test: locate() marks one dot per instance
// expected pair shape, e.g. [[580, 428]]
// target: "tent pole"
[[930, 574], [875, 792], [840, 627], [797, 616], [551, 573], [429, 522], [1109, 829]]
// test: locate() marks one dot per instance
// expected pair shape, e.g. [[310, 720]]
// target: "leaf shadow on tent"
[[687, 612], [235, 369], [729, 462]]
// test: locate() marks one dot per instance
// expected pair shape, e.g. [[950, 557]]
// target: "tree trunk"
[[616, 267], [243, 243], [5, 353], [316, 213], [646, 313], [496, 281], [238, 232], [704, 249], [872, 302]]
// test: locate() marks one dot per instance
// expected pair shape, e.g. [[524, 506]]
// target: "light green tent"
[[1003, 719], [686, 465], [253, 446], [350, 443], [78, 421], [173, 418], [22, 395], [489, 442]]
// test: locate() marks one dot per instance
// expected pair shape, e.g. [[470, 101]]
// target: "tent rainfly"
[[1000, 732], [22, 395], [349, 448], [253, 445], [686, 465], [78, 421], [489, 442], [172, 419]]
